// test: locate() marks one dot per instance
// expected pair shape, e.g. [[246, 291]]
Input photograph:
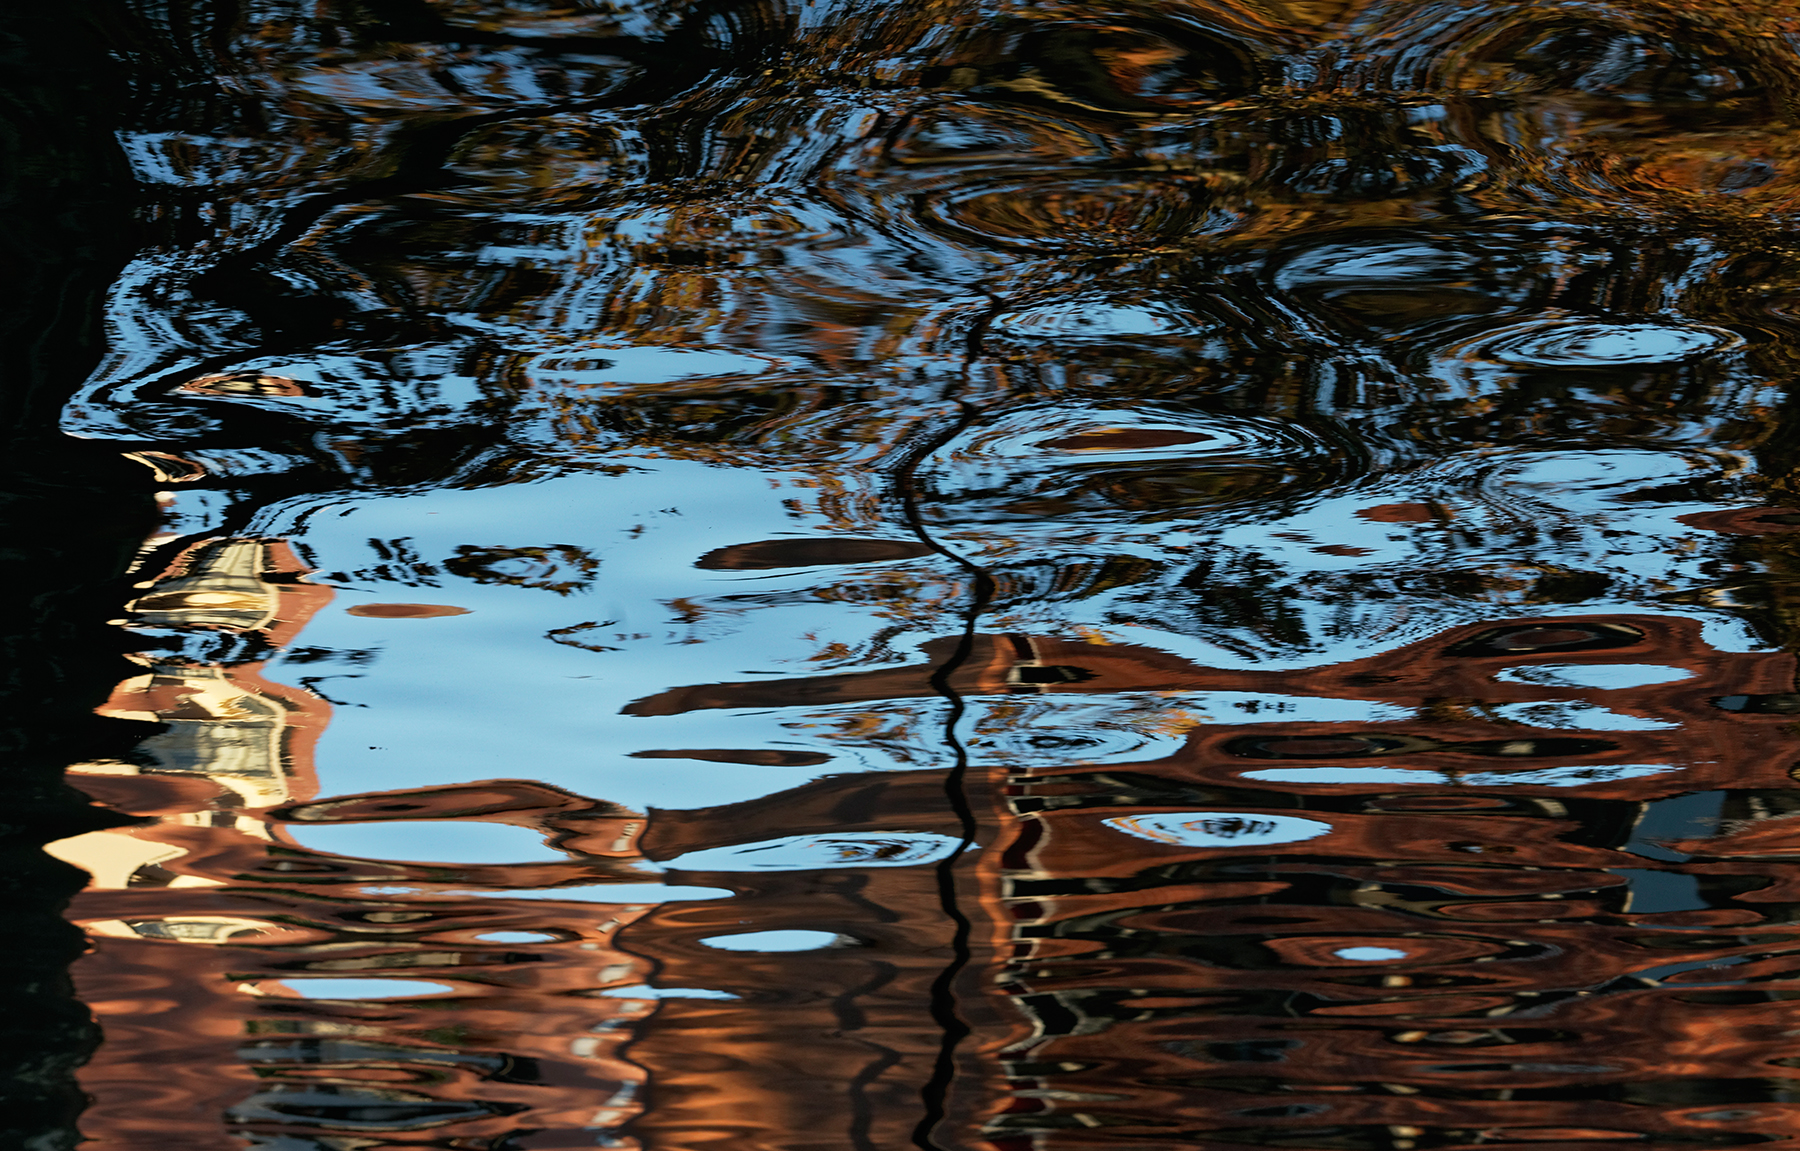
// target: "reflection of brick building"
[[1477, 723], [825, 1048], [508, 1014], [1420, 969], [1416, 969], [1369, 984], [211, 1035]]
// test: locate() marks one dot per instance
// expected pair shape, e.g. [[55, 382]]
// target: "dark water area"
[[735, 576]]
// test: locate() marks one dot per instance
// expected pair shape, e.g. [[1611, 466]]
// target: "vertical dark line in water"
[[953, 1029], [943, 994]]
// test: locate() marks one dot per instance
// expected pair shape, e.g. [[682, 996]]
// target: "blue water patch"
[[436, 841], [774, 941], [1218, 828], [363, 988]]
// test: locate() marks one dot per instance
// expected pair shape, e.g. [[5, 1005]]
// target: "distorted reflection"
[[1002, 577]]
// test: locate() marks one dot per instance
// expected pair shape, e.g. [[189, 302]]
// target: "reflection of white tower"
[[233, 739]]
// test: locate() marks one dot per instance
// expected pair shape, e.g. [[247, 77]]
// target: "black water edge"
[[70, 516]]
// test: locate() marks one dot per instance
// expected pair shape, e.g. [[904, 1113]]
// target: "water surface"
[[996, 576]]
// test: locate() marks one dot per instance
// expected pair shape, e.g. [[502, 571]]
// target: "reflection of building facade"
[[211, 930], [1368, 980], [1351, 242], [1473, 689], [219, 1027], [1364, 980], [1137, 949]]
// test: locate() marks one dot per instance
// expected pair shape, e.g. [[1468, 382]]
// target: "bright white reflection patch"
[[772, 941], [427, 840], [363, 988], [1218, 828], [1369, 954], [1602, 675], [811, 852]]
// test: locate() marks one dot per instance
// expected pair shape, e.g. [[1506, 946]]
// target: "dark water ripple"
[[1009, 577]]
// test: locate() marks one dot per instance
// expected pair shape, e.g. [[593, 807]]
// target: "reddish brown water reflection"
[[1257, 533]]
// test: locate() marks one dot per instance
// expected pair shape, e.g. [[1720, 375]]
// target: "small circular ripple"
[[1603, 345]]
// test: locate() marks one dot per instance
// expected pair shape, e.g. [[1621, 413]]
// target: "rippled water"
[[1009, 577]]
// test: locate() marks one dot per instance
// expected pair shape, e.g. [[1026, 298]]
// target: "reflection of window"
[[221, 586], [1036, 674], [194, 929], [245, 384], [1233, 828]]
